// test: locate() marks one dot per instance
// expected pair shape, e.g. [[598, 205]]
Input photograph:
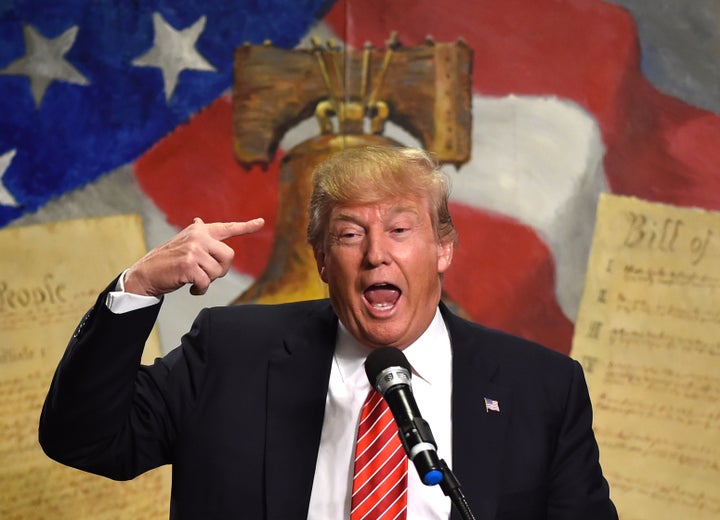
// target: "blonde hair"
[[369, 174]]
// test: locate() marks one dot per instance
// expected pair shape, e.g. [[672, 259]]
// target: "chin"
[[386, 340]]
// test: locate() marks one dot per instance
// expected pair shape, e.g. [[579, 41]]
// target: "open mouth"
[[382, 296]]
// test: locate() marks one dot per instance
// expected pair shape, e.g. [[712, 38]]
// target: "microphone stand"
[[451, 487]]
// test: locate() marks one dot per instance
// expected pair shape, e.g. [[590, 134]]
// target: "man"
[[257, 409]]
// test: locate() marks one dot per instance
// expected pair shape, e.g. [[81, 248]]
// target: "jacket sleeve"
[[577, 486], [101, 402]]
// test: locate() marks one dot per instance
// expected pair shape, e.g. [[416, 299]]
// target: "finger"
[[198, 220], [225, 230], [197, 291], [213, 267], [208, 266], [222, 254], [200, 281]]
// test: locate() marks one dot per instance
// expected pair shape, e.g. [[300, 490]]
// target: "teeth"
[[382, 306]]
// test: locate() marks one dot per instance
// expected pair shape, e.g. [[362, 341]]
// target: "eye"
[[347, 235], [402, 225], [401, 231]]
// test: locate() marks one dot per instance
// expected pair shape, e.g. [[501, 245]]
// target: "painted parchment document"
[[648, 336], [50, 275]]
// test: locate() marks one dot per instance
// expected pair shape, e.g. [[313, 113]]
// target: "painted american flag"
[[93, 122]]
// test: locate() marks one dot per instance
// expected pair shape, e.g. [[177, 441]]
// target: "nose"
[[376, 252]]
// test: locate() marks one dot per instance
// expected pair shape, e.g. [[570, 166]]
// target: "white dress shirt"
[[120, 302], [431, 360]]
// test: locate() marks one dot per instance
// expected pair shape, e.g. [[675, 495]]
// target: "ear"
[[445, 255], [320, 263]]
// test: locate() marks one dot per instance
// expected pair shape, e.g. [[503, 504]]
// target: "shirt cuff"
[[120, 302]]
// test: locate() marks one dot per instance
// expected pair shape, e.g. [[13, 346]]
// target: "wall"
[[570, 98]]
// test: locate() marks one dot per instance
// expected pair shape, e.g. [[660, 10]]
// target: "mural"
[[126, 107]]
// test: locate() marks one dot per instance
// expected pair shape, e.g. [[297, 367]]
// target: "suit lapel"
[[478, 432], [297, 387]]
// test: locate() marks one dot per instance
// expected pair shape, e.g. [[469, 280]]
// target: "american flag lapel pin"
[[491, 405]]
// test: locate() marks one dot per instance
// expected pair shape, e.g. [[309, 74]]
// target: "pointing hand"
[[197, 255]]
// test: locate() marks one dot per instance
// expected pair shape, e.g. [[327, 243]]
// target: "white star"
[[44, 61], [6, 198], [174, 51]]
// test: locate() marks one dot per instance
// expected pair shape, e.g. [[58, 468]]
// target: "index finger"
[[224, 230]]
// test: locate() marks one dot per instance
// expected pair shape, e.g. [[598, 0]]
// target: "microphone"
[[389, 373]]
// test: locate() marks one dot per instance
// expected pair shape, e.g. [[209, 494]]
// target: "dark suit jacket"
[[237, 410]]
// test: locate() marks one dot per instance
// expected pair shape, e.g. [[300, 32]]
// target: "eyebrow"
[[394, 211], [404, 209]]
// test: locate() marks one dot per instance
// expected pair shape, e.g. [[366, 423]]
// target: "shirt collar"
[[350, 354]]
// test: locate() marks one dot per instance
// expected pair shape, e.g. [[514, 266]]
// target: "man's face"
[[382, 263]]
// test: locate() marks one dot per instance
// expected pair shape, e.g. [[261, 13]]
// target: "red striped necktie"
[[380, 478]]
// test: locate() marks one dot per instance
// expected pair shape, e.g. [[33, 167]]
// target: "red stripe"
[[380, 478], [372, 479], [369, 445], [392, 504], [388, 491]]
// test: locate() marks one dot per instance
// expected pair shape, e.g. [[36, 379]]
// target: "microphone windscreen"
[[382, 358]]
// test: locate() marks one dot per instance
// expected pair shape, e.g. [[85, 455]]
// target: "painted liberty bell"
[[425, 90]]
